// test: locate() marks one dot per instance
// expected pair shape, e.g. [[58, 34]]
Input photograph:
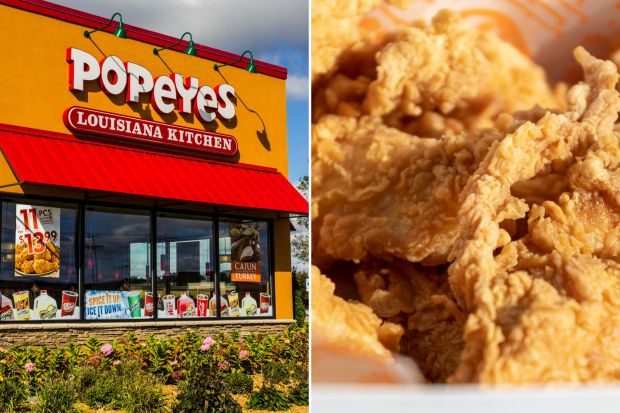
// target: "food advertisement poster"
[[245, 253], [37, 241], [112, 305]]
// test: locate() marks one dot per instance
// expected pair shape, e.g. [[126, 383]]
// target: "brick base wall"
[[56, 334]]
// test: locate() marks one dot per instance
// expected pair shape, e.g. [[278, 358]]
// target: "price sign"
[[37, 241]]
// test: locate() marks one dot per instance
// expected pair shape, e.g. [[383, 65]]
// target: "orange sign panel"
[[245, 272]]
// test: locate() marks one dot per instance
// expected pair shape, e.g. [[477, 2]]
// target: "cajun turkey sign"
[[245, 253]]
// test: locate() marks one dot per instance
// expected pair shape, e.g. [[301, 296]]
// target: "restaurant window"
[[117, 275], [38, 271], [245, 273], [185, 268]]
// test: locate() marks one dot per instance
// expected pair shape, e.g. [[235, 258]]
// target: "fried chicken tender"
[[379, 191], [418, 68], [544, 308], [335, 28], [42, 266], [46, 255], [449, 65], [351, 343], [423, 304], [345, 325], [27, 267], [443, 78]]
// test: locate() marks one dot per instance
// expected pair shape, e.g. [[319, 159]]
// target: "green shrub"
[[276, 373], [239, 383], [298, 307], [142, 394], [203, 391], [104, 392], [85, 377], [12, 395], [54, 396], [268, 398], [299, 395]]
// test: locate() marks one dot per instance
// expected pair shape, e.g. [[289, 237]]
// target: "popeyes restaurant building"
[[143, 182]]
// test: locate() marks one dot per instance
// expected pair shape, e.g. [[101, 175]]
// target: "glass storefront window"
[[40, 250], [38, 269], [245, 274], [117, 275], [185, 267]]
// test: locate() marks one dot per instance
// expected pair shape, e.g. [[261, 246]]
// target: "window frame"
[[153, 211]]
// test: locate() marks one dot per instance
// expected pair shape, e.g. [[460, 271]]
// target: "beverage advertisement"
[[113, 305], [249, 305], [37, 241], [245, 253], [45, 307]]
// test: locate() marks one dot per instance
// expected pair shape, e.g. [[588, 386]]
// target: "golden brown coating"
[[38, 263], [27, 267], [543, 309], [428, 68], [383, 192], [449, 65], [345, 326], [42, 266], [443, 78], [421, 301], [518, 226], [334, 28]]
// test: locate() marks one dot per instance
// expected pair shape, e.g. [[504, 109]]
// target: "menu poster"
[[37, 241], [245, 253]]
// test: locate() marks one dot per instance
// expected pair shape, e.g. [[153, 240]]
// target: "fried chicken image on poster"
[[37, 241]]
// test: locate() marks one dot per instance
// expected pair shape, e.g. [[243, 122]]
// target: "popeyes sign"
[[166, 93]]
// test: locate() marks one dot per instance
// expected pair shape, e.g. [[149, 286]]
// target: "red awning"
[[42, 158]]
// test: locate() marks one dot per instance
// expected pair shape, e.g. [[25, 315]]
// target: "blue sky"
[[275, 31]]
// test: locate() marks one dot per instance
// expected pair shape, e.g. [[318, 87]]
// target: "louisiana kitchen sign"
[[88, 121], [165, 93]]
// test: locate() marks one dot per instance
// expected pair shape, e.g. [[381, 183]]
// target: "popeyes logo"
[[166, 93]]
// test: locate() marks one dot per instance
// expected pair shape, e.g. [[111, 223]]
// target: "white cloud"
[[297, 87], [232, 25]]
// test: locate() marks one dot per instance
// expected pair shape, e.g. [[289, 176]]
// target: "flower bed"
[[186, 374]]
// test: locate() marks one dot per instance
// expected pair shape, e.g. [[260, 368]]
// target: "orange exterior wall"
[[34, 93]]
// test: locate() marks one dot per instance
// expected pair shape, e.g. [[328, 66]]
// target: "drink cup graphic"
[[265, 303], [133, 298], [6, 308], [68, 303], [22, 305], [233, 299], [148, 304], [202, 305], [169, 306]]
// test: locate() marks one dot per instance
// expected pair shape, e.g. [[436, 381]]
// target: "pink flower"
[[223, 365], [244, 355], [29, 367], [208, 342], [107, 349], [174, 363], [116, 363], [204, 347]]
